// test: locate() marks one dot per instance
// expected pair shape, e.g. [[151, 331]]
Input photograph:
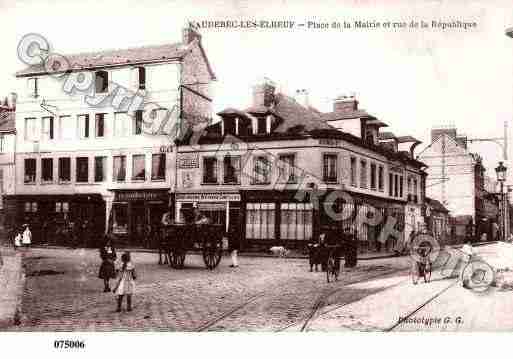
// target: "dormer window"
[[261, 126], [230, 126], [101, 81], [141, 76]]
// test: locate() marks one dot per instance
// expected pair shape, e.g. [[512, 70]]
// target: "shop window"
[[353, 172], [120, 218], [158, 166], [209, 170], [138, 167], [83, 126], [99, 125], [101, 81], [30, 170], [47, 169], [287, 168], [231, 169], [329, 168], [82, 169], [296, 221], [48, 128], [64, 169], [119, 164], [262, 170], [381, 179], [31, 207], [100, 168], [62, 207], [260, 220]]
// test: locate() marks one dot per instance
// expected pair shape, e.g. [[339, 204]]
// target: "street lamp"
[[501, 178]]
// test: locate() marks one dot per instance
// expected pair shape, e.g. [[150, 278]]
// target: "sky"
[[412, 79]]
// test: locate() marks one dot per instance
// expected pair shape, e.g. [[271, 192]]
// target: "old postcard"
[[244, 166]]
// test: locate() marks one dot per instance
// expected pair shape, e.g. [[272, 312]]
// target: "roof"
[[404, 139], [386, 136], [7, 121], [332, 116], [436, 205], [118, 57], [377, 123]]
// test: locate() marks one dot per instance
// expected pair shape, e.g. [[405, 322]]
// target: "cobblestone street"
[[63, 293]]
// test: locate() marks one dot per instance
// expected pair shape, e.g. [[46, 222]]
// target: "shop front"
[[222, 208], [135, 212]]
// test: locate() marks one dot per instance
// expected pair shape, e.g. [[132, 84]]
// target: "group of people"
[[23, 237], [125, 274]]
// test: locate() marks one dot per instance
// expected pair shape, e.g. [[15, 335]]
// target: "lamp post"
[[501, 177]]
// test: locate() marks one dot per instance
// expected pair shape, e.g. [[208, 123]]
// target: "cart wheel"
[[331, 271], [427, 273], [212, 255]]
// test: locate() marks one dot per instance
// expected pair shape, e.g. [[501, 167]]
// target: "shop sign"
[[188, 161], [140, 196], [208, 197]]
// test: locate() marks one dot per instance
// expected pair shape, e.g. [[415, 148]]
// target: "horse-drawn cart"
[[180, 238]]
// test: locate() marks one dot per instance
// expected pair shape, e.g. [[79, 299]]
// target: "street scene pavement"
[[63, 293]]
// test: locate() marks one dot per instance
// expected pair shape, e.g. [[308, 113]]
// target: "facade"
[[437, 221], [456, 179], [271, 172], [103, 158], [7, 150]]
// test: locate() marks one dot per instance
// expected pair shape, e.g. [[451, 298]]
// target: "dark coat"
[[107, 268], [233, 241]]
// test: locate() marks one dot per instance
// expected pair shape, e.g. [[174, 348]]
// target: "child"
[[17, 240], [126, 284]]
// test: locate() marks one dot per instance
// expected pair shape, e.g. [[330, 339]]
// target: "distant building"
[[7, 149], [437, 221]]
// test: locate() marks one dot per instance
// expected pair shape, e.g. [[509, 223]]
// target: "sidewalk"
[[12, 280]]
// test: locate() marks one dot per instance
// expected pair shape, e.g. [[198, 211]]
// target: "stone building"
[[101, 155]]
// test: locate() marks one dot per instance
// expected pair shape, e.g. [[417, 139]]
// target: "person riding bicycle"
[[421, 260]]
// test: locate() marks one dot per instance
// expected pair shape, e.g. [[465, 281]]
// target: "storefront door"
[[138, 219]]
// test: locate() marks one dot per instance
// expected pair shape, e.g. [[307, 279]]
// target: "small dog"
[[279, 251]]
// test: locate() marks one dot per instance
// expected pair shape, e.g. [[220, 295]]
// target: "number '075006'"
[[69, 344]]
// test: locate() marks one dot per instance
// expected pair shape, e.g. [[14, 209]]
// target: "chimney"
[[189, 33], [302, 98], [263, 93], [11, 101], [345, 103]]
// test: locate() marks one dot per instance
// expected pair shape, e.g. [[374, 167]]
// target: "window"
[[380, 179], [141, 76], [2, 143], [329, 168], [260, 220], [401, 184], [83, 126], [100, 168], [119, 164], [396, 185], [30, 170], [62, 207], [30, 129], [67, 128], [363, 174], [138, 122], [99, 125], [158, 166], [373, 176], [101, 81], [262, 170], [138, 167], [121, 124], [33, 90], [30, 206], [209, 170], [120, 218], [231, 169], [48, 128], [415, 189], [64, 169], [296, 221], [47, 169], [353, 171], [261, 125], [287, 168], [82, 169], [390, 184]]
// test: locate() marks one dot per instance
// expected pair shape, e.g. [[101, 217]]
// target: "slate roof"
[[132, 56], [342, 115]]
